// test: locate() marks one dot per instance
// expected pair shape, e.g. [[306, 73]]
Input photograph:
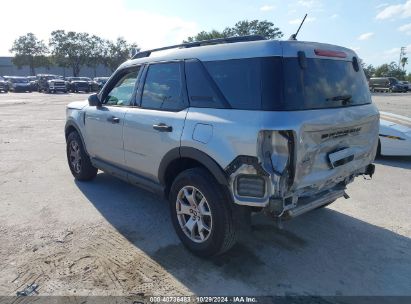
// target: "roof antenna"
[[294, 36]]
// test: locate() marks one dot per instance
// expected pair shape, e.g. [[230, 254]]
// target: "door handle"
[[113, 119], [162, 127]]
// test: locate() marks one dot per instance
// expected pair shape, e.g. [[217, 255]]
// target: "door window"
[[163, 87], [122, 92]]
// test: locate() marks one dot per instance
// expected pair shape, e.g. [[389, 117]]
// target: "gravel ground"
[[107, 237]]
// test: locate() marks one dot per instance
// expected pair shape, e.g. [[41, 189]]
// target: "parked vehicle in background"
[[50, 83], [78, 84], [386, 84], [225, 129], [33, 83], [18, 84], [101, 81], [92, 84], [395, 135], [4, 87], [407, 84]]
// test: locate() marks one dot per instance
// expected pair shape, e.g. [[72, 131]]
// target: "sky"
[[375, 29]]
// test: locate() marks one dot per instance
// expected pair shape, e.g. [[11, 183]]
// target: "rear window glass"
[[324, 83], [280, 84]]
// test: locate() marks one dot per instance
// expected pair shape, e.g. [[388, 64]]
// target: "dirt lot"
[[109, 238]]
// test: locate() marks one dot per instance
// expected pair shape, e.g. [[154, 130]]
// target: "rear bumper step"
[[307, 204]]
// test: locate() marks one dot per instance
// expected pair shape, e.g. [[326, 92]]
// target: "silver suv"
[[228, 127]]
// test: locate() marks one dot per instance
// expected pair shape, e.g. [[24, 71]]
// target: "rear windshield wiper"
[[344, 98]]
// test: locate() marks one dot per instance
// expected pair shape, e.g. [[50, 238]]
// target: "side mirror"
[[94, 101]]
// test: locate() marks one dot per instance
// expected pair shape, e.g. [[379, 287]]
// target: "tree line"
[[76, 49], [70, 50], [388, 70]]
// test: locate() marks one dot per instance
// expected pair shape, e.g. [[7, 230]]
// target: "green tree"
[[115, 53], [96, 46], [390, 70], [71, 49], [203, 35], [369, 70], [255, 27], [242, 28], [29, 51]]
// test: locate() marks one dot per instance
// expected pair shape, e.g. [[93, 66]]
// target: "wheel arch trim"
[[194, 154], [72, 124]]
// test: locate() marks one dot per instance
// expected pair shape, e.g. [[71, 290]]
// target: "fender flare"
[[195, 154], [72, 123]]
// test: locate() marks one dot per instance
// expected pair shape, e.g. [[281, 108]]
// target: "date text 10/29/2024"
[[204, 299]]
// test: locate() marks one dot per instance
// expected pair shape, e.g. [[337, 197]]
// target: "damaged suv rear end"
[[300, 128], [319, 132]]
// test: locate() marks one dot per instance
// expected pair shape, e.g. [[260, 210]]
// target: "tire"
[[221, 235], [81, 168]]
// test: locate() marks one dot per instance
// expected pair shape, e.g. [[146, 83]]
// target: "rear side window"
[[239, 81], [163, 87], [248, 83], [201, 88]]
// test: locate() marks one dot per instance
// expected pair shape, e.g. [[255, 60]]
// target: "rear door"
[[155, 126], [104, 124]]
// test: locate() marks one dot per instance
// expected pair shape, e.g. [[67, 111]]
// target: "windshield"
[[280, 84]]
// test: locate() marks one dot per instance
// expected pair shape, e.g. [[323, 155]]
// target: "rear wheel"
[[201, 213], [78, 160]]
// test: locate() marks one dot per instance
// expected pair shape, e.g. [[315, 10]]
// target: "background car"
[[51, 83], [386, 84], [18, 84], [101, 81], [78, 84], [92, 84], [395, 135], [4, 87], [33, 82], [407, 84]]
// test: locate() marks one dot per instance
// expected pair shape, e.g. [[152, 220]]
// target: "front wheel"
[[78, 160], [201, 213]]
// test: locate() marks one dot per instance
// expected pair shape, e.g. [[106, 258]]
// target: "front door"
[[104, 124]]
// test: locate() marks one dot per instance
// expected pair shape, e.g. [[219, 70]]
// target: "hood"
[[77, 105]]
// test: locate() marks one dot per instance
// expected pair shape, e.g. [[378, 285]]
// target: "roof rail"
[[147, 53]]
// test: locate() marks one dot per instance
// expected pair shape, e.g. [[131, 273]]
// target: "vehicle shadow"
[[394, 161], [323, 252]]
